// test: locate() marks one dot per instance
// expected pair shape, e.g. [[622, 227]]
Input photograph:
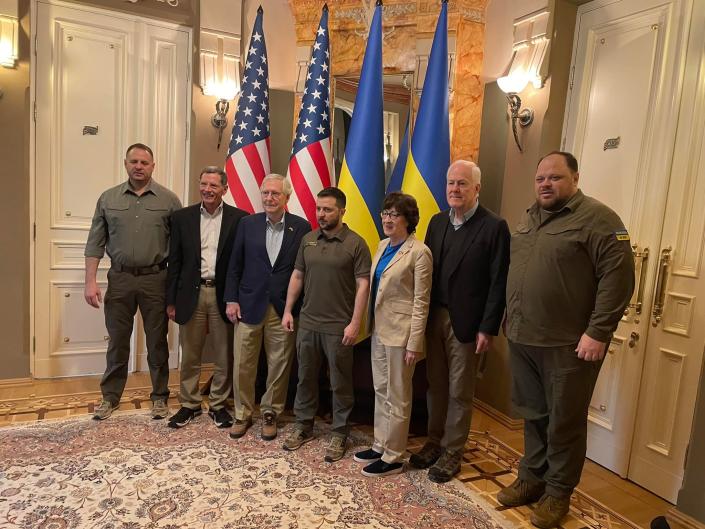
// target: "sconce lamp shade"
[[528, 54], [220, 66], [9, 32]]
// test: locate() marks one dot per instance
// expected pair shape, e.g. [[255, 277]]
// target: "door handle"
[[660, 291], [633, 339], [642, 257]]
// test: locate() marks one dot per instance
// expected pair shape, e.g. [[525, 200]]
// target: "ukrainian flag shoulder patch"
[[622, 235]]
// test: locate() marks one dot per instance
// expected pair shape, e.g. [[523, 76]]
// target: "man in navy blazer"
[[258, 277], [470, 248], [202, 237]]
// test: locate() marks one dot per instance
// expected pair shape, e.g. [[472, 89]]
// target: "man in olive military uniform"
[[132, 223], [570, 279]]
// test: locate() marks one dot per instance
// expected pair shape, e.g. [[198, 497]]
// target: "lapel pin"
[[291, 229]]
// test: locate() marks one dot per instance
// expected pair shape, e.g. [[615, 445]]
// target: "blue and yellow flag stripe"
[[362, 175], [429, 158]]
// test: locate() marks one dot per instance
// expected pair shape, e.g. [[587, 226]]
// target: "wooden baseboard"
[[679, 520], [16, 382], [504, 420]]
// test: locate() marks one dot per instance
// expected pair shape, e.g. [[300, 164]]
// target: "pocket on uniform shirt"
[[156, 214], [565, 242], [115, 212]]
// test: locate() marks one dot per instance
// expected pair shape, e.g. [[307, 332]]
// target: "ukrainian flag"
[[397, 177], [362, 174], [429, 159]]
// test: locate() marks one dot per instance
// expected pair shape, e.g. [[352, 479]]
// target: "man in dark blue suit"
[[255, 294], [202, 238]]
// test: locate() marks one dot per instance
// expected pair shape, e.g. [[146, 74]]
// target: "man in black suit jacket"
[[470, 247], [202, 238], [258, 277]]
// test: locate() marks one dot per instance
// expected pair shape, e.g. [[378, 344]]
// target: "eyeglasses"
[[273, 194], [390, 214]]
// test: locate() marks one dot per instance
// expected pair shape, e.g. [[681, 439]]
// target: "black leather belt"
[[139, 270], [208, 282]]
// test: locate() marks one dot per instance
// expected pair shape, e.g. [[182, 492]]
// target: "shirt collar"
[[340, 235], [571, 205], [275, 225], [466, 216], [149, 188], [217, 211]]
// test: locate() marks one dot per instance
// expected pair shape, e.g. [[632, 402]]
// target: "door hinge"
[[34, 231], [34, 344], [34, 112], [572, 76], [187, 130], [36, 43]]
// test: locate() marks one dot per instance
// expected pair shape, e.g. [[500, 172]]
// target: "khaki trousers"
[[126, 293], [206, 319], [279, 348], [451, 369], [393, 394]]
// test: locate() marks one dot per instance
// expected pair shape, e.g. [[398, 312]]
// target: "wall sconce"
[[527, 65], [9, 33], [220, 74]]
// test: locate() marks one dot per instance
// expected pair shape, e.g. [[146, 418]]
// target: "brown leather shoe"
[[520, 492], [549, 511], [240, 428], [269, 425]]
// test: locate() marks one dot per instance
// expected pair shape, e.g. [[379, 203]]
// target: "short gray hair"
[[286, 185], [214, 169], [471, 167]]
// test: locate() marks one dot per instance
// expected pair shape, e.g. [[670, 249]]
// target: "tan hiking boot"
[[549, 511], [296, 438], [336, 448], [160, 410], [104, 410], [269, 425], [520, 492], [240, 428]]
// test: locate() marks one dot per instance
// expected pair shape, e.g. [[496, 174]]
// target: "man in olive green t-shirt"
[[132, 224], [333, 271], [571, 275]]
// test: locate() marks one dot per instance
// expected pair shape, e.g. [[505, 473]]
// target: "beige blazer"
[[398, 318]]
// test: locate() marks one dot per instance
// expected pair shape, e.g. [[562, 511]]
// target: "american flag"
[[248, 159], [310, 163]]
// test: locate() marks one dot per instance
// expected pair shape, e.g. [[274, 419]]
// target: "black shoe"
[[182, 417], [427, 456], [367, 456], [379, 468], [221, 418]]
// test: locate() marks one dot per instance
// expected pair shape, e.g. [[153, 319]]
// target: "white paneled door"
[[630, 83], [104, 80]]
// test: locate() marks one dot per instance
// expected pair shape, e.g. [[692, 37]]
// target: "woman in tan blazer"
[[397, 312]]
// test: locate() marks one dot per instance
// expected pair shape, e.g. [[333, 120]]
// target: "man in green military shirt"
[[132, 223], [571, 276]]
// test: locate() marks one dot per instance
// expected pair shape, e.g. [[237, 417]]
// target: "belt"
[[139, 270], [208, 282]]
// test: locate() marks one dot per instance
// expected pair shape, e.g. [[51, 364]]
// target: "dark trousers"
[[551, 390], [311, 348], [125, 294]]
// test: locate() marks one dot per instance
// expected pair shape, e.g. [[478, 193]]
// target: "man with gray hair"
[[470, 248], [202, 238], [258, 276]]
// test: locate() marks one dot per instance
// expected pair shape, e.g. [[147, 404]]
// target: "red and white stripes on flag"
[[311, 158], [309, 172], [249, 159]]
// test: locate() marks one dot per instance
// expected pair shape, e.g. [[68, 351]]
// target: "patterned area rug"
[[130, 472]]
